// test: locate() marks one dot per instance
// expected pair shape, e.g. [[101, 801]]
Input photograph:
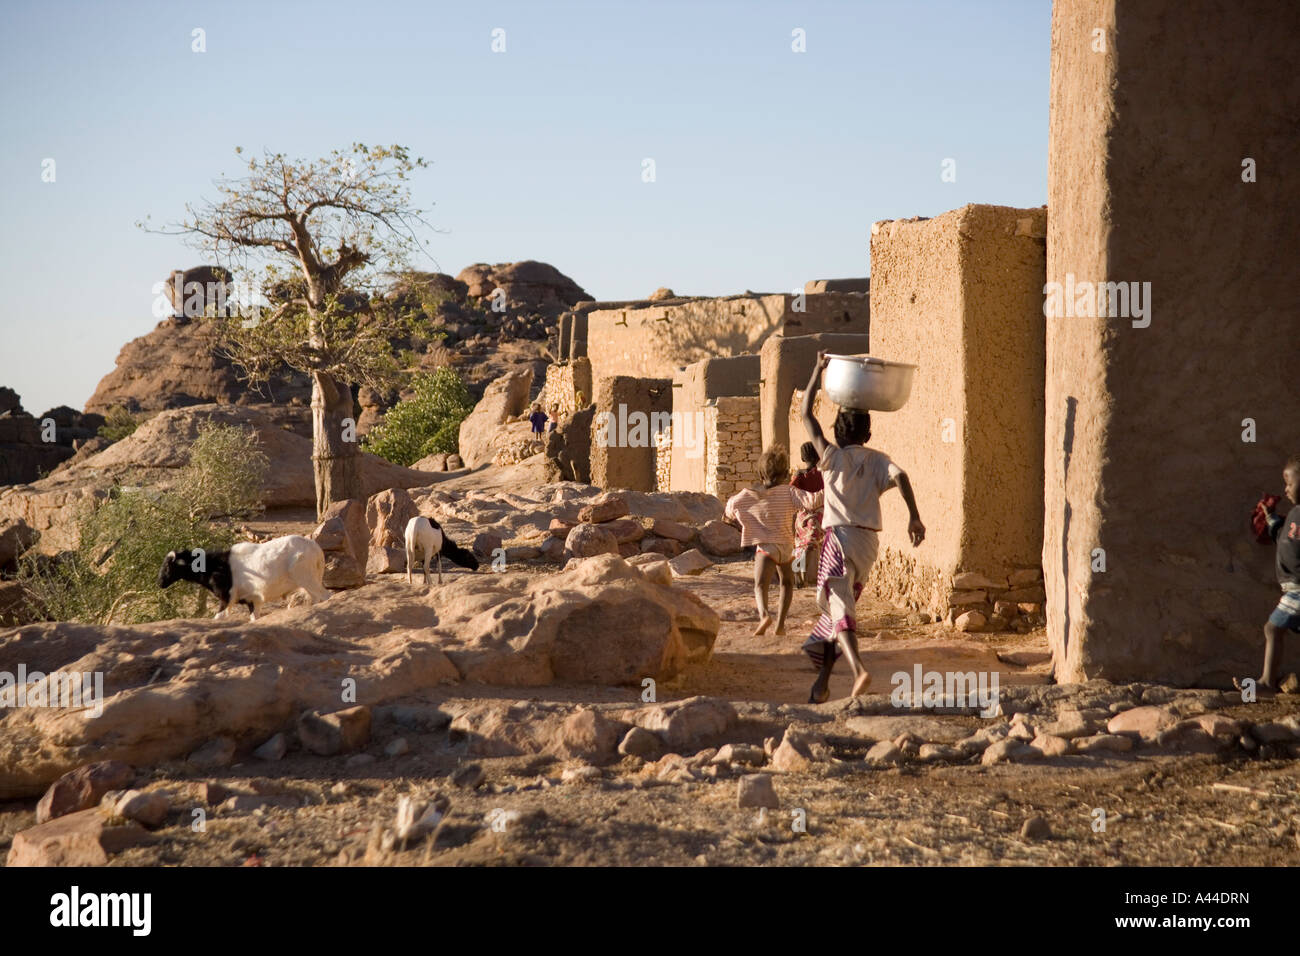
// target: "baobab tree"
[[324, 231]]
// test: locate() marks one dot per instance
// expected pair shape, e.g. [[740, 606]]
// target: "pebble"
[[468, 777], [274, 748], [583, 774], [1036, 828], [884, 752], [397, 747], [359, 760], [756, 790]]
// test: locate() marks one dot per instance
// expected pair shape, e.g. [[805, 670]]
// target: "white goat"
[[252, 573], [423, 541]]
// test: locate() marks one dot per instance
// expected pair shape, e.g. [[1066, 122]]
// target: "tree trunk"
[[335, 462]]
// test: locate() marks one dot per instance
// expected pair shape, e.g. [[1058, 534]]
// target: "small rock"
[[213, 793], [703, 758], [83, 788], [83, 838], [217, 752], [1050, 745], [340, 732], [585, 773], [756, 790], [883, 753], [1069, 724], [917, 618], [939, 753], [397, 747], [638, 742], [1145, 722], [1008, 750], [795, 752], [720, 538], [1036, 828], [274, 748], [356, 761], [147, 807], [1114, 743], [251, 803], [971, 621], [468, 777], [742, 754], [689, 563]]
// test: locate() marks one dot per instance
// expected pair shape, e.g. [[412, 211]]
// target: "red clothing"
[[810, 480]]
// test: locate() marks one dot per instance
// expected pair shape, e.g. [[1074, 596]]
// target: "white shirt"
[[855, 478]]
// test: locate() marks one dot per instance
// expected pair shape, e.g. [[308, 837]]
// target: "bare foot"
[[861, 684], [819, 697], [762, 626], [780, 629], [1262, 691]]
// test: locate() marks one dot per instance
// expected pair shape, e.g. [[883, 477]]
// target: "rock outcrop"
[[529, 286], [34, 445], [155, 452], [602, 622], [486, 429], [179, 364]]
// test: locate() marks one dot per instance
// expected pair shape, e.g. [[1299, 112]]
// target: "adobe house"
[[960, 296], [654, 340], [712, 446], [786, 364], [1172, 161], [623, 434]]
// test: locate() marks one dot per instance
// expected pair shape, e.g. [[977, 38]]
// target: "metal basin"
[[866, 383]]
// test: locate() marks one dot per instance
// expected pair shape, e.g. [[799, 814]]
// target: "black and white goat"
[[425, 539], [252, 573]]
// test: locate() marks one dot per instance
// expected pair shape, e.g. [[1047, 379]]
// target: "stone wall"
[[734, 444], [623, 447], [656, 340], [785, 365], [563, 381], [664, 458], [960, 296], [1146, 465]]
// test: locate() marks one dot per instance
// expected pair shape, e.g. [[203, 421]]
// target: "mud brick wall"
[[618, 462], [1144, 454], [563, 381], [734, 444], [785, 364], [961, 296], [657, 340]]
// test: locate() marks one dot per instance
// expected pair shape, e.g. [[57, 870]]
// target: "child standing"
[[538, 420], [766, 517], [807, 524], [1286, 616], [854, 476]]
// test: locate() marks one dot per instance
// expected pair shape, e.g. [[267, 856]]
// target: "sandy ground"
[[1159, 810]]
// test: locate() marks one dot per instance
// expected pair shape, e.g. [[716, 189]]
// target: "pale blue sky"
[[771, 165]]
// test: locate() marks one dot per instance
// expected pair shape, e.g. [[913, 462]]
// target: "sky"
[[770, 165]]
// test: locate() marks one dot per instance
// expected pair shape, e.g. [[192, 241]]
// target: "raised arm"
[[806, 410]]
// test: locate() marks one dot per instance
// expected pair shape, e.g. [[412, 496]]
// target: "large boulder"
[[344, 536], [482, 432], [387, 515], [529, 286]]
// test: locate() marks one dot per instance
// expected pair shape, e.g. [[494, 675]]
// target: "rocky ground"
[[531, 776]]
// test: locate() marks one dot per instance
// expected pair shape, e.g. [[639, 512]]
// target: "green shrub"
[[118, 423], [424, 424], [125, 537]]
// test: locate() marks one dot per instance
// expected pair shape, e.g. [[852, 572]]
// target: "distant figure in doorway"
[[554, 421], [854, 478], [766, 517]]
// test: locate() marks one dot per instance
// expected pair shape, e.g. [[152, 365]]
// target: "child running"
[[1286, 616], [854, 476], [766, 517]]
